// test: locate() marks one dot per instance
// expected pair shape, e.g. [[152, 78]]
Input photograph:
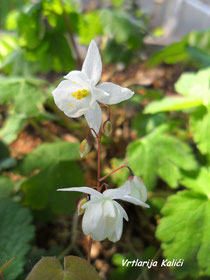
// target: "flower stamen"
[[80, 94]]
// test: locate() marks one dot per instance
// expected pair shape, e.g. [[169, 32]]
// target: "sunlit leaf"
[[89, 27], [160, 155], [200, 126], [26, 95], [12, 127], [184, 230], [195, 90], [172, 104]]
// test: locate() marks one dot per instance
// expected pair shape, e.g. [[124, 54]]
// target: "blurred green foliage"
[[16, 232], [194, 49], [36, 36]]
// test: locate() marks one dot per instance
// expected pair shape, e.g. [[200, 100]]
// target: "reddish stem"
[[105, 185], [108, 108], [1, 275], [93, 130], [123, 166]]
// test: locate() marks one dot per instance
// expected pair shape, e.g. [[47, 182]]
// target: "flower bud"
[[81, 202], [85, 147], [107, 127]]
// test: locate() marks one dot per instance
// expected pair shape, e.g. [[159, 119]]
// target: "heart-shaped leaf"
[[75, 268]]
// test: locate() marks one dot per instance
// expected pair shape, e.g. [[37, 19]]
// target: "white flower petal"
[[133, 200], [94, 117], [79, 78], [97, 94], [83, 190], [115, 193], [67, 103], [92, 65], [117, 93], [140, 186], [92, 216], [118, 228], [121, 209]]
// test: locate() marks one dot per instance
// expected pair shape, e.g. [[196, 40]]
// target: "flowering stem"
[[90, 241], [108, 108], [93, 130], [123, 166], [99, 161]]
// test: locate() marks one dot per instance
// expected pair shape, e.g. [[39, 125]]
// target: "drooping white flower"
[[103, 217], [78, 94], [137, 188]]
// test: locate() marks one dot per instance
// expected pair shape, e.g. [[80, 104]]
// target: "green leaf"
[[117, 3], [120, 177], [199, 182], [159, 154], [195, 90], [40, 191], [195, 85], [145, 124], [75, 268], [172, 104], [114, 52], [170, 54], [89, 27], [4, 151], [184, 232], [52, 167], [30, 26], [48, 154], [201, 56], [16, 232], [26, 95], [182, 51], [123, 27], [200, 126], [8, 43], [6, 161], [12, 127], [6, 187]]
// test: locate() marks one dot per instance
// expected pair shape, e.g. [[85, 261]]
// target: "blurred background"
[[161, 50]]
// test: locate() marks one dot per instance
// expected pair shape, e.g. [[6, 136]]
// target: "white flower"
[[103, 217], [137, 188], [79, 93]]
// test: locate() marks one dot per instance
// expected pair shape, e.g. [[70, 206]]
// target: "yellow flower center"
[[80, 94]]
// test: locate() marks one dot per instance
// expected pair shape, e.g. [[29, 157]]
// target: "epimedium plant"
[[103, 217], [39, 38], [44, 28], [185, 213]]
